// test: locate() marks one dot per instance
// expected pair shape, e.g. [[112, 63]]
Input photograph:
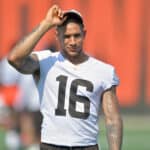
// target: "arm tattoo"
[[114, 136]]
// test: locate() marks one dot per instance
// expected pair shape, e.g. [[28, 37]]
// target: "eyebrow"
[[75, 35]]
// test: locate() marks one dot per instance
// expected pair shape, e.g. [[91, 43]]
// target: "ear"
[[84, 32], [56, 35]]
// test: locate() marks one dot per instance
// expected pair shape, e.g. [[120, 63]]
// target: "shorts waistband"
[[46, 146]]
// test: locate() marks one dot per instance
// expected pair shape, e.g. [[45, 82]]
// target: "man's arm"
[[20, 56], [114, 125]]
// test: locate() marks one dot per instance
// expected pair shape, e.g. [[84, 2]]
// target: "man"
[[72, 85]]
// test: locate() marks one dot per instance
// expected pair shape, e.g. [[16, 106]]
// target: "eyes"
[[68, 36]]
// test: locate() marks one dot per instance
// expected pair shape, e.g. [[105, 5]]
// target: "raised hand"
[[54, 16]]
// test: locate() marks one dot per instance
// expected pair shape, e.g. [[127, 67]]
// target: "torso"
[[70, 99]]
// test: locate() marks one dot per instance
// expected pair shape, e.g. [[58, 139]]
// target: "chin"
[[73, 54]]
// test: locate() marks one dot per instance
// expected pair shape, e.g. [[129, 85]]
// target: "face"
[[71, 39]]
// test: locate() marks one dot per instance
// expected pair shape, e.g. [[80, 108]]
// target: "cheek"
[[80, 42], [66, 42]]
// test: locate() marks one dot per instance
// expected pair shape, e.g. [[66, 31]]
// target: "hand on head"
[[55, 16]]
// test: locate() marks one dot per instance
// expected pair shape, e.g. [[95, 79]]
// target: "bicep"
[[29, 65], [110, 103]]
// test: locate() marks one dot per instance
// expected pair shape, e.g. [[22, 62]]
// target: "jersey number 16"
[[73, 97]]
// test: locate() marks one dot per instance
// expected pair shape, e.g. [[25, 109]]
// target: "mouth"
[[73, 49]]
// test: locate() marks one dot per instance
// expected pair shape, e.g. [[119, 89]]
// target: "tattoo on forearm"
[[114, 135]]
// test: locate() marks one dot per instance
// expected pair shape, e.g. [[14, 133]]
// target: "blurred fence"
[[118, 32]]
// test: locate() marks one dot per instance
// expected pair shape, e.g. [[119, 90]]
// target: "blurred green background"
[[136, 133]]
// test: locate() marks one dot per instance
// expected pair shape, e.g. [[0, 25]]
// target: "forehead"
[[71, 27]]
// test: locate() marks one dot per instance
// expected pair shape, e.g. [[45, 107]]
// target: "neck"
[[76, 59]]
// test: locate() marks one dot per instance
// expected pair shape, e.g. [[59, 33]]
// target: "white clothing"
[[70, 98]]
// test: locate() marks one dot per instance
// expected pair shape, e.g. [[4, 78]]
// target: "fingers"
[[55, 16], [58, 11]]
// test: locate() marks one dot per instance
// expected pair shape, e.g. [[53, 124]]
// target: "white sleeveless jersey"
[[70, 98]]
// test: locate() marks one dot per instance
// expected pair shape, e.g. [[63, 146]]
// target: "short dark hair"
[[72, 16]]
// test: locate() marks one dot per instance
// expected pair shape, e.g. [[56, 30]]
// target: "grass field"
[[136, 133]]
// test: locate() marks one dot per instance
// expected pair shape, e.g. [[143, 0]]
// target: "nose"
[[72, 40]]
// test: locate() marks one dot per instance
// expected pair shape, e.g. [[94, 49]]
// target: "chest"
[[82, 80]]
